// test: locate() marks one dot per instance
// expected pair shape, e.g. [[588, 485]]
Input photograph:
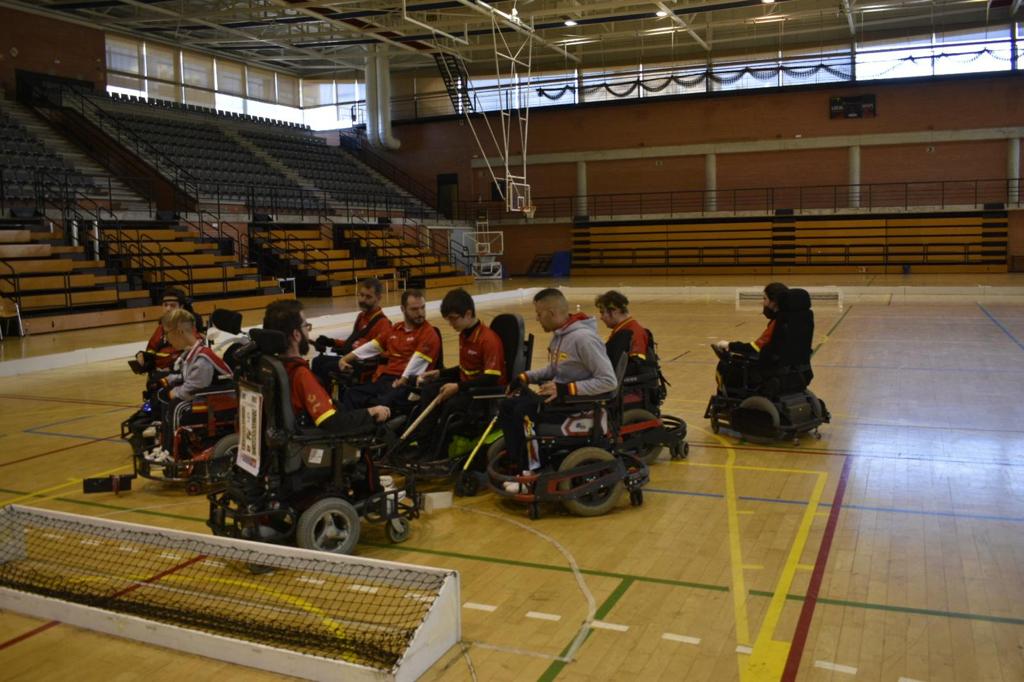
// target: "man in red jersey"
[[309, 400], [481, 366], [409, 348], [370, 323]]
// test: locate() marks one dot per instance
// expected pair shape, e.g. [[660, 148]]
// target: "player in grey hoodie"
[[577, 365]]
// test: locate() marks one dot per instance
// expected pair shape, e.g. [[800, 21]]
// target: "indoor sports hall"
[[864, 523]]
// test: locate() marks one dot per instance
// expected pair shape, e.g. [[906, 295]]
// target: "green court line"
[[586, 571], [556, 666], [901, 609]]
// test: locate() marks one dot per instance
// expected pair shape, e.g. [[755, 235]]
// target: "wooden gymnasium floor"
[[892, 549]]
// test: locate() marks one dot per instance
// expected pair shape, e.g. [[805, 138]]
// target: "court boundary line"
[[803, 625], [1001, 326], [652, 580]]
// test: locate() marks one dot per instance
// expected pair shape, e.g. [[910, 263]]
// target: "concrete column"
[[710, 182], [581, 209], [1013, 170], [854, 177]]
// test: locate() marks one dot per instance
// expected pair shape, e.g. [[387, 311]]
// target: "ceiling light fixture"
[[661, 13], [569, 22]]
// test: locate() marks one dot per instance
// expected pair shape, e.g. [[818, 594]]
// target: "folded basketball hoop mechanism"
[[513, 59]]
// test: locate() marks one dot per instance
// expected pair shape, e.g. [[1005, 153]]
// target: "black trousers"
[[430, 434], [512, 416], [379, 392]]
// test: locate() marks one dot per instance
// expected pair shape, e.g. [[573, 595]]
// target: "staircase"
[[456, 81], [421, 263], [122, 198], [306, 253]]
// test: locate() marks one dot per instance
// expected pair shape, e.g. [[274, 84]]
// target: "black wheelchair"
[[644, 429], [460, 430], [295, 484], [587, 475], [771, 402]]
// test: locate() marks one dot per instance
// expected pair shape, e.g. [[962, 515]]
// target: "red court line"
[[70, 401], [803, 625], [54, 452], [46, 626], [30, 633]]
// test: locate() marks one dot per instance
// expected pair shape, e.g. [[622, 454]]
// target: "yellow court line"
[[739, 588], [768, 659], [74, 481], [743, 467]]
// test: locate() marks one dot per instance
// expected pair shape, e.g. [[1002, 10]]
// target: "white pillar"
[[710, 182], [1013, 170], [854, 177], [581, 190]]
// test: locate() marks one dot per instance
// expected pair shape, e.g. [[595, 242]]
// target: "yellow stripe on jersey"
[[325, 416]]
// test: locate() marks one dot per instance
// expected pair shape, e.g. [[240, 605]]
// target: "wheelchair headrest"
[[269, 341], [511, 329], [795, 301], [226, 320]]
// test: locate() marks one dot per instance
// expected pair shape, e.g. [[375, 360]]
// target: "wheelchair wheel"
[[495, 452], [398, 529], [762, 404], [816, 407], [599, 502], [649, 453], [224, 453], [467, 484], [329, 525]]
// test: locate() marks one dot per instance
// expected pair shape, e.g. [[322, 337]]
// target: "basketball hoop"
[[513, 62], [529, 211]]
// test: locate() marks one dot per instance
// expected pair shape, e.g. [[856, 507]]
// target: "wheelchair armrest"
[[588, 399], [488, 393]]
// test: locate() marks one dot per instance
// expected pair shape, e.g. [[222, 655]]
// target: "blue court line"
[[1001, 326], [803, 503]]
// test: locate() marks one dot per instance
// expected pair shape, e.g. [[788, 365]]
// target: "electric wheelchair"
[[644, 429], [296, 484], [586, 474], [460, 430], [768, 398], [191, 456]]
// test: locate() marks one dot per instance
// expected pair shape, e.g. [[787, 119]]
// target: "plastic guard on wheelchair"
[[766, 396], [196, 424], [582, 465], [295, 483]]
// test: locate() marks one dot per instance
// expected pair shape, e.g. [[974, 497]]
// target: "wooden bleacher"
[[931, 242], [43, 277], [421, 266], [307, 253], [160, 254]]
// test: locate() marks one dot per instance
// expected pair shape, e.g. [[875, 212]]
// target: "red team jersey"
[[399, 345], [307, 396], [638, 346], [481, 351]]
